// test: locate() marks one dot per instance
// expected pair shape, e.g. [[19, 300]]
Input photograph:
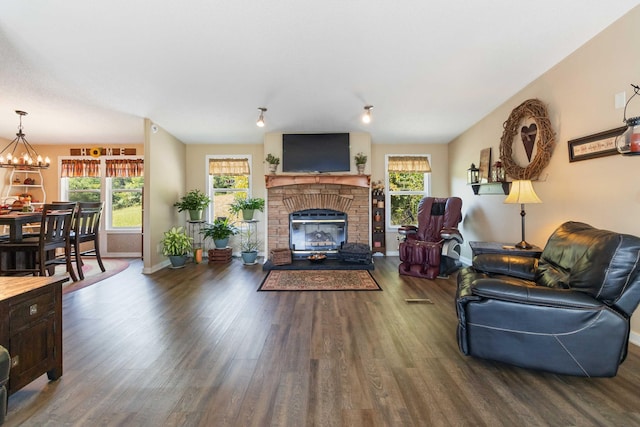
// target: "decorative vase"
[[177, 261], [272, 168], [195, 215], [361, 168], [249, 257], [247, 214], [221, 243]]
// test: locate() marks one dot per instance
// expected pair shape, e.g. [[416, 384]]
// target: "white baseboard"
[[156, 267], [634, 338]]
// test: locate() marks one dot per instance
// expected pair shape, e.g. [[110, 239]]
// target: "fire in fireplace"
[[317, 231]]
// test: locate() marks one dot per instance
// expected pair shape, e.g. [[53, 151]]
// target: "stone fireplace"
[[290, 194]]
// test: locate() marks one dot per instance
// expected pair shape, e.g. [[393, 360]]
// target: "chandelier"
[[26, 159]]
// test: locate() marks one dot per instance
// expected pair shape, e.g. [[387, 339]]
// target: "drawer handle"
[[33, 309], [15, 360]]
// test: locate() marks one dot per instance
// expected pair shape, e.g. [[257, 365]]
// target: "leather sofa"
[[567, 312]]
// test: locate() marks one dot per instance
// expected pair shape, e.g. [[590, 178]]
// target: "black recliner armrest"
[[497, 288], [511, 265]]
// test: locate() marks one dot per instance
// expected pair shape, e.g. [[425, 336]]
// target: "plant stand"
[[219, 256]]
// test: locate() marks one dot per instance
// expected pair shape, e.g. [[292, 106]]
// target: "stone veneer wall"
[[278, 215]]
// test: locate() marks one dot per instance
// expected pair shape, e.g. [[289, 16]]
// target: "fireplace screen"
[[317, 230]]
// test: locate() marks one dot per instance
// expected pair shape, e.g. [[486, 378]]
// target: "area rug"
[[319, 280], [92, 272]]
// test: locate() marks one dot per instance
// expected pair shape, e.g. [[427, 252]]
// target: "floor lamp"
[[522, 192]]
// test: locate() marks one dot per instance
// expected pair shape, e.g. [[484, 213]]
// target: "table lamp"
[[522, 192]]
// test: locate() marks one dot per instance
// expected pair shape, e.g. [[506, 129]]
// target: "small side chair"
[[86, 228]]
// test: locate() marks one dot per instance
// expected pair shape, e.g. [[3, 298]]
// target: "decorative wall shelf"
[[492, 188], [283, 180]]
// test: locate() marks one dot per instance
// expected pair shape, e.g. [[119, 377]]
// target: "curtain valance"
[[408, 164], [229, 167]]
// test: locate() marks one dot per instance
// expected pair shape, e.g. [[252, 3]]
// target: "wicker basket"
[[280, 256]]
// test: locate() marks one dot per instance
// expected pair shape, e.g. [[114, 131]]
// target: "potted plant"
[[176, 245], [361, 161], [273, 162], [195, 201], [247, 206], [220, 232], [249, 247]]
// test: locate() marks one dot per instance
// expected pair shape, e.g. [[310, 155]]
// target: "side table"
[[478, 248]]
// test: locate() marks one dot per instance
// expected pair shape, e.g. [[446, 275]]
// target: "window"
[[118, 182], [229, 178], [125, 196], [407, 181]]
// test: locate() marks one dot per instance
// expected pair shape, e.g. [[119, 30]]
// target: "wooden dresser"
[[31, 327]]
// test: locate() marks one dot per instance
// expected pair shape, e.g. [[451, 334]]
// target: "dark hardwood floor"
[[200, 347]]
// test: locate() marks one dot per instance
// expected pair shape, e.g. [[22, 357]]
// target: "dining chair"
[[86, 228], [38, 252]]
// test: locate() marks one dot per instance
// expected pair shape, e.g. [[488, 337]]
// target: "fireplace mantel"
[[272, 181]]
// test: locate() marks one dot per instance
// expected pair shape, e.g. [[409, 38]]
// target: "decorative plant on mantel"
[[273, 162], [195, 201], [360, 158], [247, 206], [361, 161]]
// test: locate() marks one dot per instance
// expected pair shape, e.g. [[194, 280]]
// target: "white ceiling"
[[89, 71]]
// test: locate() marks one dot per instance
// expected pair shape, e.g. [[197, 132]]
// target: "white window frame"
[[209, 184], [105, 190], [388, 192]]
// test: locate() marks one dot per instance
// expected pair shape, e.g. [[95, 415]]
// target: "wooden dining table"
[[17, 220]]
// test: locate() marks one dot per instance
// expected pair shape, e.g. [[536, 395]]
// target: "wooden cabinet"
[[31, 327], [378, 239]]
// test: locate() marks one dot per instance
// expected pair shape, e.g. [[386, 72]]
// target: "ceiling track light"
[[260, 122], [366, 117]]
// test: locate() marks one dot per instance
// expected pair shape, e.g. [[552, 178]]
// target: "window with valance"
[[407, 183], [230, 178]]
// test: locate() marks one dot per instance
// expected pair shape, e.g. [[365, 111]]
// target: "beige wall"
[[579, 93], [164, 183]]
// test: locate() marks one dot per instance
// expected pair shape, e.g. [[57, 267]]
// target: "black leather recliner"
[[567, 312]]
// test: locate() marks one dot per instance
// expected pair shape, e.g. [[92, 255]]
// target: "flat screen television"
[[316, 152]]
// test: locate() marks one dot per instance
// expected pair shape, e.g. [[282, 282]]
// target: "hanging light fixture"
[[366, 117], [260, 122], [28, 159], [629, 141]]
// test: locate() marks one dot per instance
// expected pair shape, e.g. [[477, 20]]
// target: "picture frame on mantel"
[[593, 146], [485, 165]]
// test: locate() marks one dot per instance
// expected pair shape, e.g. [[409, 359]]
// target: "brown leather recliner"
[[567, 312], [433, 248]]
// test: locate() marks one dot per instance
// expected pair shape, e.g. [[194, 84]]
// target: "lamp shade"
[[522, 193]]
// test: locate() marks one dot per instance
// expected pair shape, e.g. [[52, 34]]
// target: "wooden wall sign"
[[102, 151]]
